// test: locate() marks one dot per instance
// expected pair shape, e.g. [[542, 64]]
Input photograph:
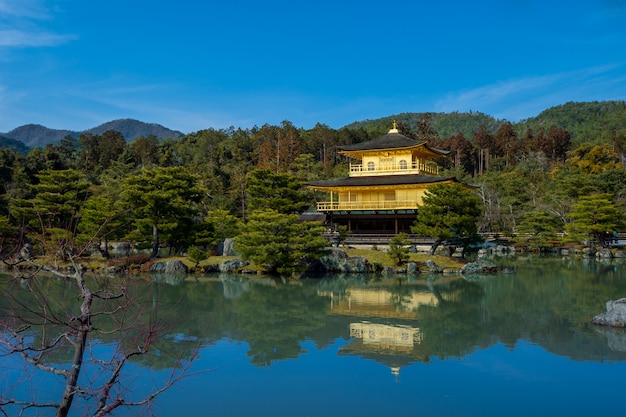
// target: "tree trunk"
[[104, 251], [83, 328], [435, 245], [74, 372], [464, 247], [155, 241], [601, 238], [107, 255]]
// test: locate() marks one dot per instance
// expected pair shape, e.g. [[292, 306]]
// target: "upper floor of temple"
[[392, 154]]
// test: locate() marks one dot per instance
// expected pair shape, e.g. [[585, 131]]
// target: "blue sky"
[[191, 65]]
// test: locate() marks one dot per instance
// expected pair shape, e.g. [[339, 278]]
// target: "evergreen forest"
[[560, 175]]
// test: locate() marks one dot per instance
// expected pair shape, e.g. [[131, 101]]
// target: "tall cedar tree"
[[278, 146]]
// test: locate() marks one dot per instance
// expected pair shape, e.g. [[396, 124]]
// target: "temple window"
[[402, 164], [371, 166]]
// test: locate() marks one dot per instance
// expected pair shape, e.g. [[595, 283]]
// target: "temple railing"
[[366, 205], [357, 170]]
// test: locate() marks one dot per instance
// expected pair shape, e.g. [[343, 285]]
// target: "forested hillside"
[[445, 124], [200, 188], [589, 122], [593, 122], [15, 145]]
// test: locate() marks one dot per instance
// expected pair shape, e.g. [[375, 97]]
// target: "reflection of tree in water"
[[23, 304], [274, 321], [234, 285], [551, 302], [171, 279], [186, 311], [196, 314], [85, 330], [338, 284], [548, 302], [453, 328]]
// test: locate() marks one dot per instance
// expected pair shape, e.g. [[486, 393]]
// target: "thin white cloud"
[[20, 25], [522, 98], [17, 38], [98, 102], [32, 9], [487, 96]]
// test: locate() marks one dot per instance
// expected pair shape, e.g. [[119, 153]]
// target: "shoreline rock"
[[169, 267], [615, 315], [482, 266]]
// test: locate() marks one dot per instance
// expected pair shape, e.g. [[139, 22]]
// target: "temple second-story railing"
[[357, 170], [366, 205]]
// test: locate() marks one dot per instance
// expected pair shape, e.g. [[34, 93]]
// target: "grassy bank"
[[135, 264]]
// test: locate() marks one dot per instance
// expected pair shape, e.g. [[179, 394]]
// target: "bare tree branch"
[[39, 316]]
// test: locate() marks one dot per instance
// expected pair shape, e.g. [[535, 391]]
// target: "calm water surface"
[[509, 344], [514, 344]]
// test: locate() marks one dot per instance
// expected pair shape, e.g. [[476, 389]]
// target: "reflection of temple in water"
[[394, 345], [376, 302], [383, 336], [397, 341]]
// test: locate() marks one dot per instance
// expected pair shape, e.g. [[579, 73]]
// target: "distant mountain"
[[38, 135], [592, 122], [33, 135], [132, 129], [16, 145]]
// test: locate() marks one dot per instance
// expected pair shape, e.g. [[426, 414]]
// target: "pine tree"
[[448, 211], [280, 242], [596, 215], [162, 203]]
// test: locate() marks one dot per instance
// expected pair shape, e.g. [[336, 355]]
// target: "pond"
[[514, 344]]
